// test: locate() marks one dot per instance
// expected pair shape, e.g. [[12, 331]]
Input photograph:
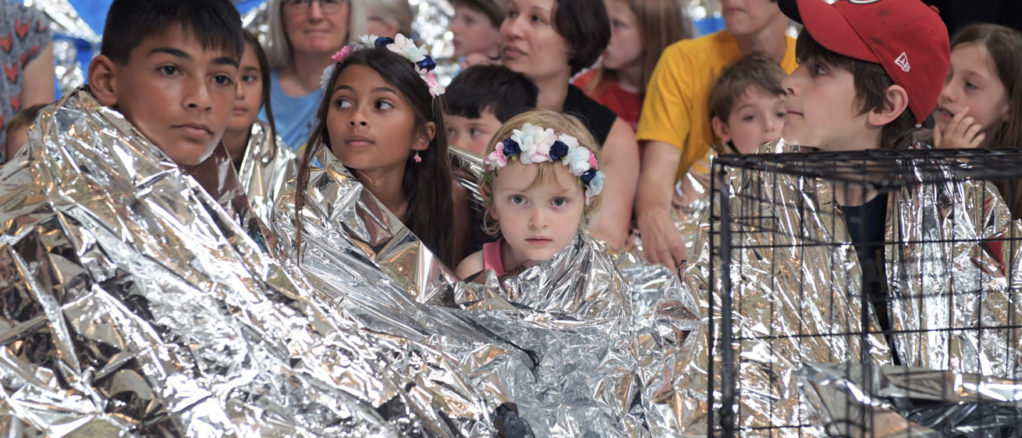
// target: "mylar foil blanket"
[[266, 166], [585, 342], [885, 402], [795, 285], [133, 303], [954, 274]]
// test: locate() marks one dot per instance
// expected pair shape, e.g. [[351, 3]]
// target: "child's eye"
[[748, 117], [536, 18], [970, 85], [474, 132], [342, 103], [819, 69], [559, 202], [383, 105], [511, 13], [167, 69], [223, 79], [249, 78], [617, 24], [516, 199], [451, 132]]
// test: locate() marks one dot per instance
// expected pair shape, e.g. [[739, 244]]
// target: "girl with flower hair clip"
[[381, 117], [542, 182]]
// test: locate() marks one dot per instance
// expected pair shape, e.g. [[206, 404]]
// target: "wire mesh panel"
[[836, 274]]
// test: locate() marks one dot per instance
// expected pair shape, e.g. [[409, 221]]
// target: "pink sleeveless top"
[[491, 257]]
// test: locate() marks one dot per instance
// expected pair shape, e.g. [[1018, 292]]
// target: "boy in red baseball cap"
[[870, 72]]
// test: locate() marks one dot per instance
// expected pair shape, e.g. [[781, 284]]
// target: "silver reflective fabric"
[[851, 400], [783, 287], [265, 167], [953, 263], [586, 342], [133, 303]]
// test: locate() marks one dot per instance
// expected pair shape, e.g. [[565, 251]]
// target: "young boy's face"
[[757, 119], [822, 111], [176, 93], [471, 134]]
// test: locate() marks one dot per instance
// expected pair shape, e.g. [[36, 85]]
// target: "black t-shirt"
[[866, 228], [595, 116]]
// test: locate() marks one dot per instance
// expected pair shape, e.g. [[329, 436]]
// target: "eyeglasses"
[[304, 6]]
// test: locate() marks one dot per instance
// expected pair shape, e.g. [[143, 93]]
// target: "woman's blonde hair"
[[561, 124], [278, 47]]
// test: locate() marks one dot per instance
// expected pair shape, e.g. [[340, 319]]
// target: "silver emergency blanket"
[[885, 402], [954, 276], [265, 167], [606, 337], [796, 298], [134, 303]]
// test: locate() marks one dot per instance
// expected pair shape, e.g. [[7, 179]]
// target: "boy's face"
[[822, 111], [757, 119], [471, 134], [176, 93]]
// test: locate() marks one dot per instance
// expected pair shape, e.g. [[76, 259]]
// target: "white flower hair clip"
[[533, 144], [401, 45]]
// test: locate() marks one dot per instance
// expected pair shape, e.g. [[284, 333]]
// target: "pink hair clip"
[[343, 54]]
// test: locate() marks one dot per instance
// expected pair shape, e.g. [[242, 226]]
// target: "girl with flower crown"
[[381, 117], [542, 182]]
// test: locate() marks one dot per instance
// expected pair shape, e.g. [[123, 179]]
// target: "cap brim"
[[830, 29]]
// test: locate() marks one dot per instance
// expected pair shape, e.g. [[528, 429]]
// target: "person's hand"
[[661, 240], [961, 132]]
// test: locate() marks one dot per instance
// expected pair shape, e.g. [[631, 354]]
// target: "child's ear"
[[103, 80], [720, 128], [424, 137], [896, 101]]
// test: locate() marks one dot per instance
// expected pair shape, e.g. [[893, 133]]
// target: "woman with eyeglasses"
[[303, 35]]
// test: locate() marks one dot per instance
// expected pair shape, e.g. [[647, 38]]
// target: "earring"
[[416, 157]]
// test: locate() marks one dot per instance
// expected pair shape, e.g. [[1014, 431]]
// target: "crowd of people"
[[589, 119]]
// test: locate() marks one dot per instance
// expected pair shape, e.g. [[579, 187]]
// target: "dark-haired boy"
[[870, 73], [171, 76], [482, 98]]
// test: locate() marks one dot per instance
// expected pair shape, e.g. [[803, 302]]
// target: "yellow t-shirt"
[[676, 108]]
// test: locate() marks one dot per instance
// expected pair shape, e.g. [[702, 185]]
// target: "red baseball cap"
[[906, 37]]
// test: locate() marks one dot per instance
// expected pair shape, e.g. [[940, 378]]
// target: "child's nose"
[[537, 220], [199, 96], [789, 82]]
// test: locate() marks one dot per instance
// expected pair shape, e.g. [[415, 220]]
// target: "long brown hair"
[[1004, 45], [426, 184], [264, 71], [662, 23]]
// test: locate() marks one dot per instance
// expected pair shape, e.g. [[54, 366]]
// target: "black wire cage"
[[871, 293]]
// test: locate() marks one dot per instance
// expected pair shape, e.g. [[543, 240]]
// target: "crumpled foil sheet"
[[953, 267], [133, 303], [605, 337], [852, 400], [265, 168], [794, 276]]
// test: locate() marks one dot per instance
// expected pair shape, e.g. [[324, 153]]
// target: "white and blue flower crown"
[[533, 144], [401, 45]]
